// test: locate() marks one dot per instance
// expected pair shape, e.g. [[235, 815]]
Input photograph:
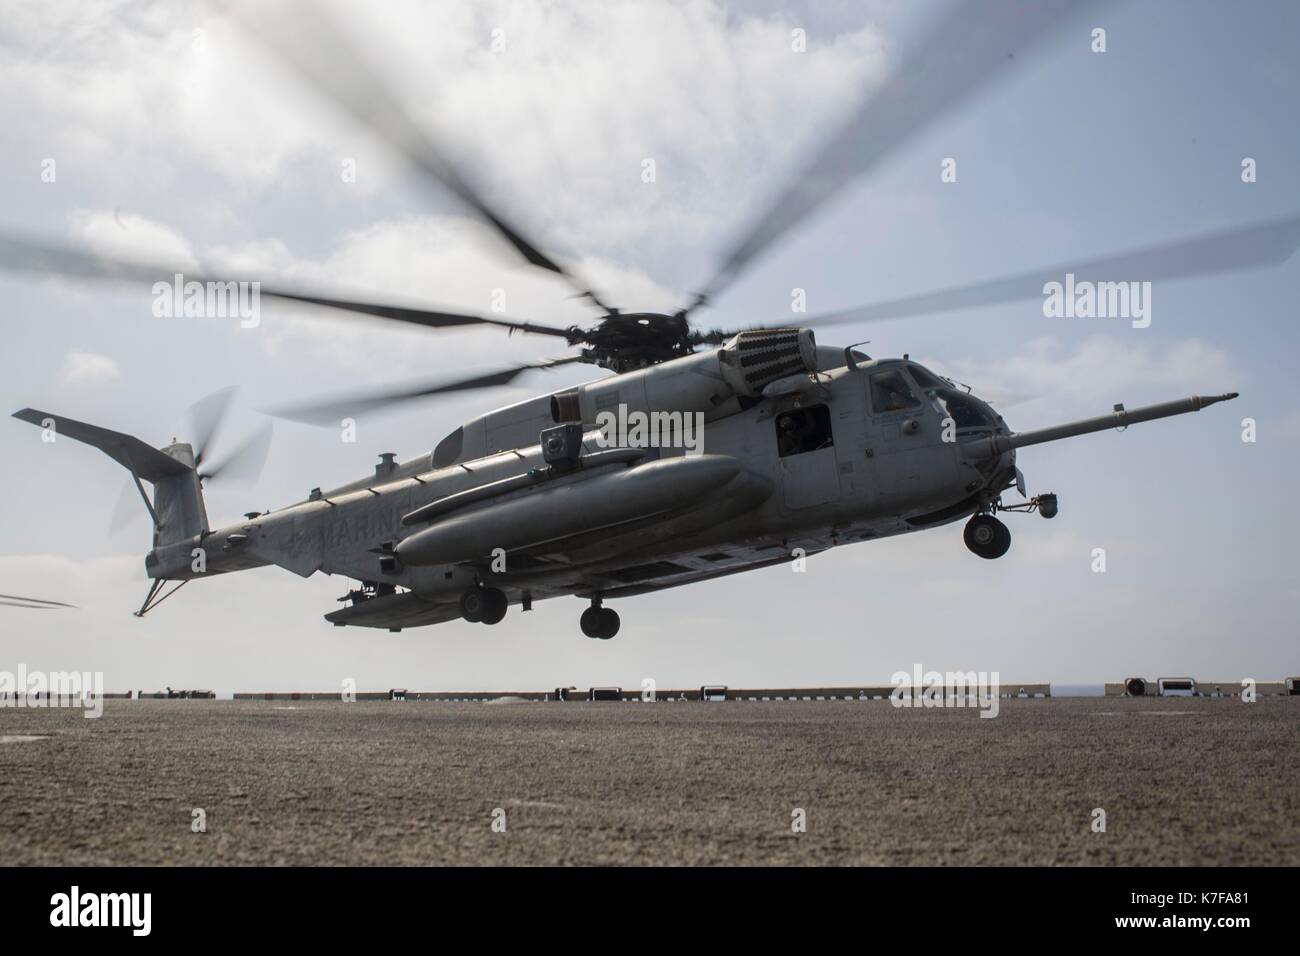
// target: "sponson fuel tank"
[[602, 501]]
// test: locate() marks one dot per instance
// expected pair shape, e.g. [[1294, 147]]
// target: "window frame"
[[912, 390], [819, 415]]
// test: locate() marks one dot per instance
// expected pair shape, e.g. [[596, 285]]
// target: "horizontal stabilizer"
[[143, 460]]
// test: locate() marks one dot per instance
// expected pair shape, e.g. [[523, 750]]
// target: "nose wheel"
[[987, 537], [599, 622], [480, 605]]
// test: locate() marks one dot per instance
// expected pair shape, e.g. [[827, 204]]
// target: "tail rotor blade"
[[246, 462], [127, 510], [206, 416]]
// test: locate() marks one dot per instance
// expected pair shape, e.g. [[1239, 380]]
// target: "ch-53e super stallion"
[[794, 447]]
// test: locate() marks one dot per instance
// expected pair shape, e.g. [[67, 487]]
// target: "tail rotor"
[[207, 416]]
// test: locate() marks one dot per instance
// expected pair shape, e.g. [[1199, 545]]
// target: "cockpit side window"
[[925, 378], [801, 430], [890, 392]]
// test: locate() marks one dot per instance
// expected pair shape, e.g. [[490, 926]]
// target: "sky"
[[170, 134]]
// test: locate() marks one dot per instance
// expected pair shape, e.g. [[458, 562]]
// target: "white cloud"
[[719, 102], [88, 368], [556, 127], [1099, 371], [554, 130], [132, 237], [428, 261]]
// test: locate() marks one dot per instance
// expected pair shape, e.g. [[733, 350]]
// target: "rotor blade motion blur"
[[1232, 250], [206, 416], [34, 603], [245, 461], [28, 254], [313, 46], [425, 317], [976, 41], [336, 409], [127, 510]]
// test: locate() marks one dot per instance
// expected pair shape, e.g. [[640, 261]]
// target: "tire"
[[473, 604], [987, 537], [1003, 544], [590, 622], [495, 605], [609, 623]]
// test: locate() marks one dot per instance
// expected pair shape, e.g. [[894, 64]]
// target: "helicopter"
[[795, 447]]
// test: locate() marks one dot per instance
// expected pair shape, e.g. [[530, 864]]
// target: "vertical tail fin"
[[179, 512], [177, 507]]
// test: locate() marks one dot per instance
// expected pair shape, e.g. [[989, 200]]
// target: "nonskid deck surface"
[[1181, 781]]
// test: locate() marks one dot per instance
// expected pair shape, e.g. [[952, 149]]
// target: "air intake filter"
[[754, 359]]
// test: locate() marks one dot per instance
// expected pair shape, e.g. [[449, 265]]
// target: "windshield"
[[965, 411]]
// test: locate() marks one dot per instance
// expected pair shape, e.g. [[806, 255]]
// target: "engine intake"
[[754, 359]]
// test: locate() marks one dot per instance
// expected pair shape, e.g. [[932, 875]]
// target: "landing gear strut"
[[987, 537], [599, 622], [480, 605]]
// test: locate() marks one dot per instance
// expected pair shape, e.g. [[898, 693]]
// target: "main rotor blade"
[[246, 461], [977, 40], [27, 254], [8, 598], [30, 254], [309, 42], [336, 409], [426, 317], [1233, 250]]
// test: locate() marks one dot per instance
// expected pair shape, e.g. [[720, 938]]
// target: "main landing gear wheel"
[[599, 622], [987, 537], [480, 605]]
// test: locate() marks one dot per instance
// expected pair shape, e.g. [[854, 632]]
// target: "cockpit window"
[[890, 392], [964, 411], [925, 378]]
